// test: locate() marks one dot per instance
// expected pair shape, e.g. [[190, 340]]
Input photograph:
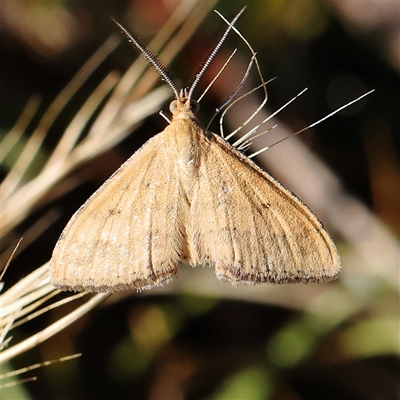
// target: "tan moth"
[[187, 197]]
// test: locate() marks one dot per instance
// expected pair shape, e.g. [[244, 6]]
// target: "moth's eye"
[[194, 106], [173, 106]]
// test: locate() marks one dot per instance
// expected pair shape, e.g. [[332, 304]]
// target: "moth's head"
[[184, 107]]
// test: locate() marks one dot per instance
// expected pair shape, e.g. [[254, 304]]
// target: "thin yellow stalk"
[[52, 329], [17, 131]]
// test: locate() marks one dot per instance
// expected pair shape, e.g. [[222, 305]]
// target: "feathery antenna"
[[150, 57], [160, 67], [213, 53]]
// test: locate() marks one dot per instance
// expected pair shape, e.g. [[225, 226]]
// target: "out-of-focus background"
[[198, 338]]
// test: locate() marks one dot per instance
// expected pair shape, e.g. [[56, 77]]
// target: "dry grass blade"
[[15, 134], [25, 297], [18, 382], [52, 329], [21, 303], [38, 365]]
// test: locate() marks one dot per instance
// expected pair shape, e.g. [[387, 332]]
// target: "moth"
[[189, 198]]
